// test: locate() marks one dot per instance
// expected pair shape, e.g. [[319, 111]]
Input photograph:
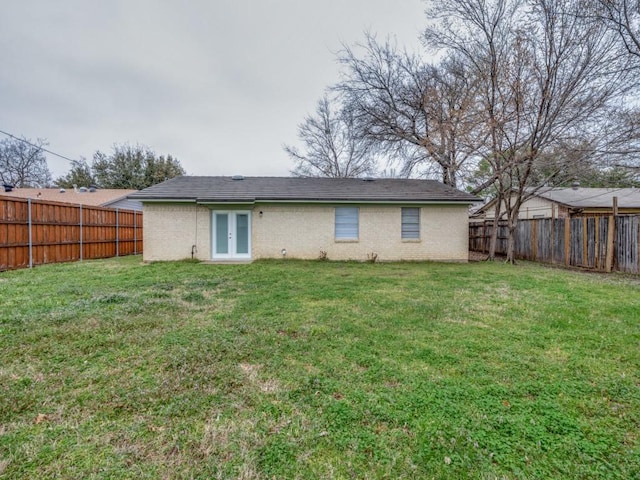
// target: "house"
[[246, 218], [570, 202], [94, 197]]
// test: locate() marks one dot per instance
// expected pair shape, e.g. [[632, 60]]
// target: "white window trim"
[[231, 254]]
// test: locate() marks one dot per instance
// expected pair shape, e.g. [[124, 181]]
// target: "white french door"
[[231, 235]]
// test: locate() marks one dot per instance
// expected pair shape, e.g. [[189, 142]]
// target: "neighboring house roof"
[[256, 189], [592, 197], [99, 198], [579, 198]]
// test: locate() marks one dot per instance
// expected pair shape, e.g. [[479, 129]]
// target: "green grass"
[[116, 369]]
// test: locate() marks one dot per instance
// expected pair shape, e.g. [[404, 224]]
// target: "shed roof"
[[256, 189]]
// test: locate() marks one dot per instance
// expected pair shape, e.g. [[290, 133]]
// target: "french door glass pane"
[[222, 233], [242, 233]]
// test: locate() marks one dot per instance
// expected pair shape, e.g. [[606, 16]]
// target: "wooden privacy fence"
[[602, 243], [34, 232]]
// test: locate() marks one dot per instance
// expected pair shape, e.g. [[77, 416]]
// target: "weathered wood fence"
[[34, 232], [602, 243]]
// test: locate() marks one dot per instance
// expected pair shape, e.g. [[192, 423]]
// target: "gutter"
[[305, 202]]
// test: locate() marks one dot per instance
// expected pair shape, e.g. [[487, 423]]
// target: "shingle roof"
[[255, 189], [98, 198], [593, 197]]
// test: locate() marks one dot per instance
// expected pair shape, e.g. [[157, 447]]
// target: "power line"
[[37, 146]]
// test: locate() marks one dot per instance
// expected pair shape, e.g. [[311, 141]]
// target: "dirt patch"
[[481, 257], [477, 256]]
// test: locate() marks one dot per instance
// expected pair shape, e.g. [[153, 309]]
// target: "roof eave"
[[163, 199], [394, 201]]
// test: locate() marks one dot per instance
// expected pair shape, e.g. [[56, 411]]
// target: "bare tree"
[[23, 164], [547, 75], [420, 113], [623, 17], [332, 146]]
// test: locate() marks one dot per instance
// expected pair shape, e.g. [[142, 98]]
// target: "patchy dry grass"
[[116, 369]]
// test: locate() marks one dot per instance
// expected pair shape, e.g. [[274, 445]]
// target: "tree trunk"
[[493, 243], [511, 240], [449, 176]]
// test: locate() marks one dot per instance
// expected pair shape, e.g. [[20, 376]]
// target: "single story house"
[[244, 218], [570, 202], [93, 197]]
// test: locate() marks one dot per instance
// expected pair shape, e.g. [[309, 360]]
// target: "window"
[[410, 223], [347, 223]]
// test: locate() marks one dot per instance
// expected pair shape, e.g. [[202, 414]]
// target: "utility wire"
[[36, 146]]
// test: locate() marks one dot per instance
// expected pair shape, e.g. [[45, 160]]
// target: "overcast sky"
[[219, 84]]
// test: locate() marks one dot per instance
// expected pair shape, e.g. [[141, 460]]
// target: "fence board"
[[61, 232], [599, 243]]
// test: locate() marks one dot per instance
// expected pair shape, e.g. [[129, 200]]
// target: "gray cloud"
[[219, 84]]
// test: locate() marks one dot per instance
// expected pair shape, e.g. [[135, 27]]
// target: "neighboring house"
[[570, 202], [245, 218], [94, 197]]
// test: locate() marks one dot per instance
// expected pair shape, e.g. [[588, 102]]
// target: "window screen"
[[347, 223], [410, 223]]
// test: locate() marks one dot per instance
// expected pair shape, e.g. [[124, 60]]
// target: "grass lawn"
[[117, 369]]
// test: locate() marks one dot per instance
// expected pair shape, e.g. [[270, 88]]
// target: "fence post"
[[487, 238], [610, 236], [534, 240], [117, 232], [567, 241], [30, 234], [80, 232], [135, 231], [553, 234], [585, 243], [596, 241]]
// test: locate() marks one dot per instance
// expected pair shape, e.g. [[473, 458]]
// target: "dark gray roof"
[[256, 189]]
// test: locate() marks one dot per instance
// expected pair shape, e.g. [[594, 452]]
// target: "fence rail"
[[35, 232], [601, 243]]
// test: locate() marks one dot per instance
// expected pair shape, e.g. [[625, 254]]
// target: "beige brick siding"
[[306, 230], [173, 229]]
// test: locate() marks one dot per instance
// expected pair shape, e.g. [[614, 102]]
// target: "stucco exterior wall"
[[305, 230], [170, 231]]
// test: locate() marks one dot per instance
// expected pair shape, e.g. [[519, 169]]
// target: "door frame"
[[232, 253]]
